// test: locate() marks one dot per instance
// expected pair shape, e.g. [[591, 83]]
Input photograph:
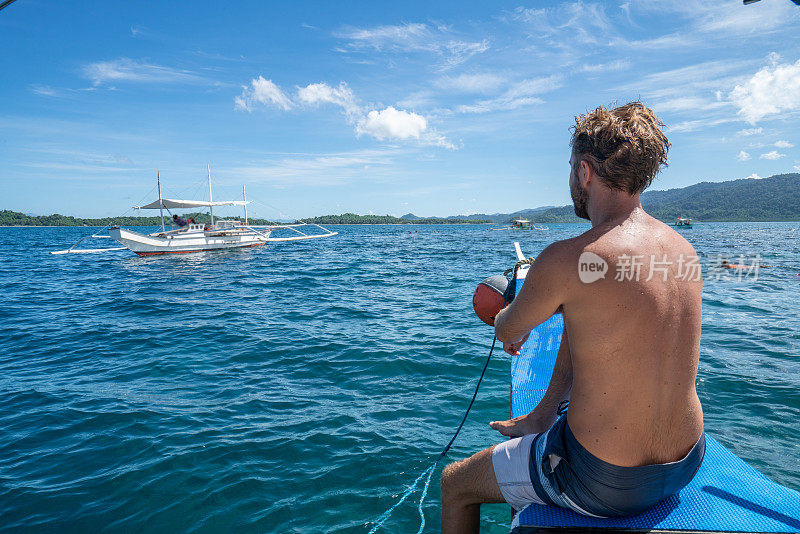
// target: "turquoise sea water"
[[299, 387]]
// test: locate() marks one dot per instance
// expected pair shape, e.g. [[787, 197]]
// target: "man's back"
[[628, 357], [634, 339]]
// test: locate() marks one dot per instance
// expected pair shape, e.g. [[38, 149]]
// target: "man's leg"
[[465, 485]]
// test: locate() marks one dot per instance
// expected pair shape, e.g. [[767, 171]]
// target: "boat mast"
[[244, 197], [210, 198], [160, 202]]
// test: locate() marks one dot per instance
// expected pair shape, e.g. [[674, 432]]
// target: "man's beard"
[[580, 200]]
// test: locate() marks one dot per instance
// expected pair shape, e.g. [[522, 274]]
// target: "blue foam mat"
[[726, 495]]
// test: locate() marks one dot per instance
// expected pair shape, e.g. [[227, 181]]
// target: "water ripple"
[[299, 387]]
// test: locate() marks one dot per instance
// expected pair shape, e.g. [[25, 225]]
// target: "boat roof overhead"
[[174, 204]]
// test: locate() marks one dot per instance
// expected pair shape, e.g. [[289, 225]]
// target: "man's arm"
[[546, 412], [543, 292]]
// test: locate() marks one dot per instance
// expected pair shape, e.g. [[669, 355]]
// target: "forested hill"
[[15, 218], [776, 198]]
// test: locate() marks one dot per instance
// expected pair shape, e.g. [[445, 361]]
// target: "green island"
[[15, 218], [776, 198]]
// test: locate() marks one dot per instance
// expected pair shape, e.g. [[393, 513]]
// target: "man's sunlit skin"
[[629, 352]]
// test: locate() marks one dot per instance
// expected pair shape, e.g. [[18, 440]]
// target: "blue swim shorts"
[[552, 468]]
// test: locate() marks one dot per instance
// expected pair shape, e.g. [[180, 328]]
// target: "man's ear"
[[586, 174]]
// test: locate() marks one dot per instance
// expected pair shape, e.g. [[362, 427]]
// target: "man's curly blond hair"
[[625, 145]]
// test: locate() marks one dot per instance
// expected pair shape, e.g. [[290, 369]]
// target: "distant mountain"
[[410, 217], [776, 198]]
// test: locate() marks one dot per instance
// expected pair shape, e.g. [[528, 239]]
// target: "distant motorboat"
[[683, 222]]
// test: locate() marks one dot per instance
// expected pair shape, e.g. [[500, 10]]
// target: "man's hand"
[[514, 348], [537, 421]]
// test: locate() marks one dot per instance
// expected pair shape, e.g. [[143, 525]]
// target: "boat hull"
[[178, 243]]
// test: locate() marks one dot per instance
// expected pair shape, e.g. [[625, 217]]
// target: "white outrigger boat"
[[193, 237]]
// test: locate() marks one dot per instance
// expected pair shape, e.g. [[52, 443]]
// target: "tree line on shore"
[[15, 218], [352, 218]]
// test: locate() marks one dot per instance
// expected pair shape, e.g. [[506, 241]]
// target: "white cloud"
[[585, 23], [129, 70], [409, 36], [690, 89], [600, 68], [783, 144], [45, 90], [772, 155], [316, 169], [471, 83], [387, 124], [773, 89], [264, 92], [520, 94], [417, 99], [753, 176], [743, 156], [797, 168], [391, 123], [690, 126], [317, 93], [686, 103], [412, 37], [747, 132], [457, 52], [712, 23], [723, 19]]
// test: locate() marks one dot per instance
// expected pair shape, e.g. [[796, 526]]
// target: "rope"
[[511, 290], [520, 263], [409, 490], [430, 470]]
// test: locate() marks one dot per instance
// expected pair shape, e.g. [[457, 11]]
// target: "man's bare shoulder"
[[645, 235], [559, 253], [558, 262]]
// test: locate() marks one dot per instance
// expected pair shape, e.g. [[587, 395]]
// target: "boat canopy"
[[174, 204]]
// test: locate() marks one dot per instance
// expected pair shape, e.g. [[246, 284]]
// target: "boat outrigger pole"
[[210, 198], [160, 202], [244, 197]]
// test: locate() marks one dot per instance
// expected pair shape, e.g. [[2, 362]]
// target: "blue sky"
[[435, 108]]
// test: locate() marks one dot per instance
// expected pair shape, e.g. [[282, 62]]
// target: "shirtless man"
[[628, 359]]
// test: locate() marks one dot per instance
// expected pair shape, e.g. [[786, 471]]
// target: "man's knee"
[[449, 480], [467, 481], [452, 481]]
